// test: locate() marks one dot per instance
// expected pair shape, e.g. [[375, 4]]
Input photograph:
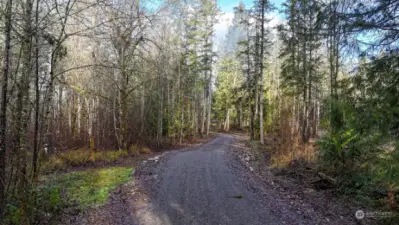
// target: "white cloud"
[[275, 19], [222, 26], [225, 20]]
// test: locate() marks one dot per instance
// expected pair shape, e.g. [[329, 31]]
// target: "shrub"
[[49, 204]]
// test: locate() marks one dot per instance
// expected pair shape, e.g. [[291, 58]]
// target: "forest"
[[84, 81]]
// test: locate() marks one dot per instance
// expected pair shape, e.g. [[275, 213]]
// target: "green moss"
[[91, 187]]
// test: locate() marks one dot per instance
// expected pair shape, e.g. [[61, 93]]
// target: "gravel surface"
[[200, 186], [210, 184]]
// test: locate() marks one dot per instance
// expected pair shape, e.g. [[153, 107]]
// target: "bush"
[[49, 204], [360, 150], [339, 150]]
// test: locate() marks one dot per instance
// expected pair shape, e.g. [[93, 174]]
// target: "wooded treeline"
[[330, 74], [101, 74], [111, 74], [243, 61]]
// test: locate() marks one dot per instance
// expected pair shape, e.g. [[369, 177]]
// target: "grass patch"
[[136, 149], [85, 157], [91, 187]]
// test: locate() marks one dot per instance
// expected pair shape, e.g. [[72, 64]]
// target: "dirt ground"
[[286, 196], [299, 188]]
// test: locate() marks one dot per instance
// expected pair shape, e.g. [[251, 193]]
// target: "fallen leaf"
[[238, 196]]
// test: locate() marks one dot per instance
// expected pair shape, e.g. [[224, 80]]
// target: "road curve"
[[200, 186]]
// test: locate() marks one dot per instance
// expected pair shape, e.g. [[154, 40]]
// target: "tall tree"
[[263, 8], [3, 110]]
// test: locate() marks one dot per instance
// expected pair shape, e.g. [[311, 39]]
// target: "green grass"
[[91, 187]]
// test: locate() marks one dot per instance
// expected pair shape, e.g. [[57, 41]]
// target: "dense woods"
[[101, 74], [322, 84], [113, 74]]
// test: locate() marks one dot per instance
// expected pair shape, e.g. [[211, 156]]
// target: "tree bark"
[[37, 99], [22, 115], [160, 109], [3, 108], [209, 99], [262, 32]]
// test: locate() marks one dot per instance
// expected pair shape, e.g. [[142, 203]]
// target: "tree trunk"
[[209, 99], [37, 99], [227, 121], [261, 73], [79, 112], [60, 112], [115, 123], [305, 92], [48, 102], [3, 108], [204, 110], [240, 117], [142, 108], [160, 109], [22, 109], [90, 108]]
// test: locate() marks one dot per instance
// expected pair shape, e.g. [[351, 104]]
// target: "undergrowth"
[[90, 187], [366, 167], [73, 191], [87, 157], [87, 188]]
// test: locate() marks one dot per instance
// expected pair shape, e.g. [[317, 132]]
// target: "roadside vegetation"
[[77, 180], [85, 157], [97, 84], [331, 94], [91, 84], [88, 188], [72, 192]]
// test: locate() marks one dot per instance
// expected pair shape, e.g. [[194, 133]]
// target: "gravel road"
[[202, 185], [213, 184]]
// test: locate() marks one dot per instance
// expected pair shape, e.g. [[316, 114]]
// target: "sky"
[[227, 5], [226, 17]]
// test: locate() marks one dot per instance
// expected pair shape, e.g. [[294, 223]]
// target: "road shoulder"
[[288, 193]]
